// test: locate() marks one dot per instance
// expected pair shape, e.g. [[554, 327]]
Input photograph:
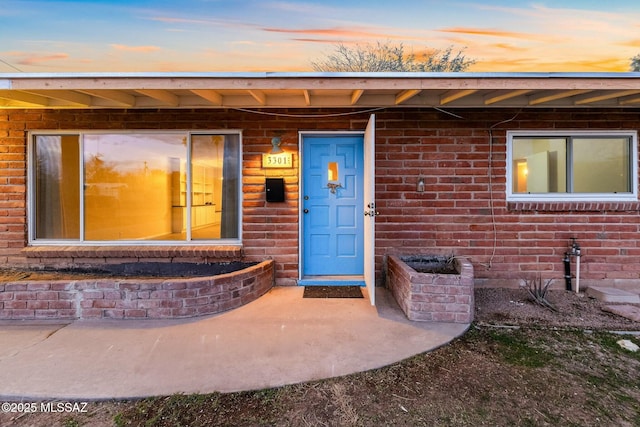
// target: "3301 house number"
[[282, 160]]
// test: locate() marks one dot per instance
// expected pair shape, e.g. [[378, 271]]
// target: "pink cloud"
[[509, 47], [35, 59], [330, 32], [494, 33], [143, 49], [307, 40]]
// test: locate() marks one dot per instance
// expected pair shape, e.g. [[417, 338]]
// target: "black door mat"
[[332, 292]]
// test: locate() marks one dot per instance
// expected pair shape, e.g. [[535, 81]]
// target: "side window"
[[572, 166]]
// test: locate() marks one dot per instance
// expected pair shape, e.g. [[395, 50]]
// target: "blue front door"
[[332, 203]]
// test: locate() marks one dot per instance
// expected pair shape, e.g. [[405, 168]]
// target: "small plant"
[[451, 262], [70, 422], [538, 291]]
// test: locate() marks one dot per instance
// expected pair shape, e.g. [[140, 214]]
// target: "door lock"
[[306, 211], [371, 210]]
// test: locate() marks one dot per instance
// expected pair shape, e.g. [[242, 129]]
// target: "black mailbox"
[[275, 189]]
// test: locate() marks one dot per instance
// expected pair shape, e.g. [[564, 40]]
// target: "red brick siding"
[[12, 183], [452, 216]]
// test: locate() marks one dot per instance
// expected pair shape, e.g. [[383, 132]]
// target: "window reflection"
[[127, 185], [592, 164], [215, 171], [539, 165], [136, 186], [601, 166]]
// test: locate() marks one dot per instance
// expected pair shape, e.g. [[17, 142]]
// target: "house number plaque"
[[277, 161]]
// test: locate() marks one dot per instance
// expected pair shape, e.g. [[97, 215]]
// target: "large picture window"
[[147, 186], [572, 166]]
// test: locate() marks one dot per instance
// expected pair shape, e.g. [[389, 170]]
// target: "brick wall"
[[112, 298], [453, 216], [432, 297], [13, 184]]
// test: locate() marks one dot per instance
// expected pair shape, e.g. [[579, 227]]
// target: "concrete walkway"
[[279, 339]]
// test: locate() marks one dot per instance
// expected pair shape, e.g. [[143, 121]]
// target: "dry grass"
[[537, 374]]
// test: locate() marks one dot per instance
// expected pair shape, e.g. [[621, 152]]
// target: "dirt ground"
[[514, 307], [127, 271], [519, 364], [17, 275]]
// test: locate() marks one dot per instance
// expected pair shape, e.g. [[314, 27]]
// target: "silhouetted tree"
[[385, 57], [635, 63]]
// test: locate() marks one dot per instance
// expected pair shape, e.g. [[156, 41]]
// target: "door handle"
[[306, 211], [371, 210], [333, 186]]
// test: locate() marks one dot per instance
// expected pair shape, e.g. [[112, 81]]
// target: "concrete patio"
[[279, 339]]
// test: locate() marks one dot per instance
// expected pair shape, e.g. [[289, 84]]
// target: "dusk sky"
[[225, 35]]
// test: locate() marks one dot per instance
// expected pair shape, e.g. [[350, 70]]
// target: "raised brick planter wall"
[[114, 298], [432, 297]]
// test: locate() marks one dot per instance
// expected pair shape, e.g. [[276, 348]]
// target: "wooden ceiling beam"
[[29, 98], [554, 96], [603, 96], [406, 94], [494, 98], [454, 95], [630, 101], [210, 95], [259, 96], [161, 95], [119, 97], [355, 96], [68, 96]]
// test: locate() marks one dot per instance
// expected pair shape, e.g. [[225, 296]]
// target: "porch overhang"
[[318, 90]]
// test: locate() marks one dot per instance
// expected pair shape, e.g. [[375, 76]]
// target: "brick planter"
[[432, 297], [115, 298]]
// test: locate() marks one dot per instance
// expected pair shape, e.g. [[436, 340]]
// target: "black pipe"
[[567, 270]]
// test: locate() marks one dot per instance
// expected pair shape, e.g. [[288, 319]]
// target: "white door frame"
[[370, 211]]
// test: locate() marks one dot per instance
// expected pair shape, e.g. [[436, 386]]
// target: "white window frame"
[[31, 212], [578, 197]]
